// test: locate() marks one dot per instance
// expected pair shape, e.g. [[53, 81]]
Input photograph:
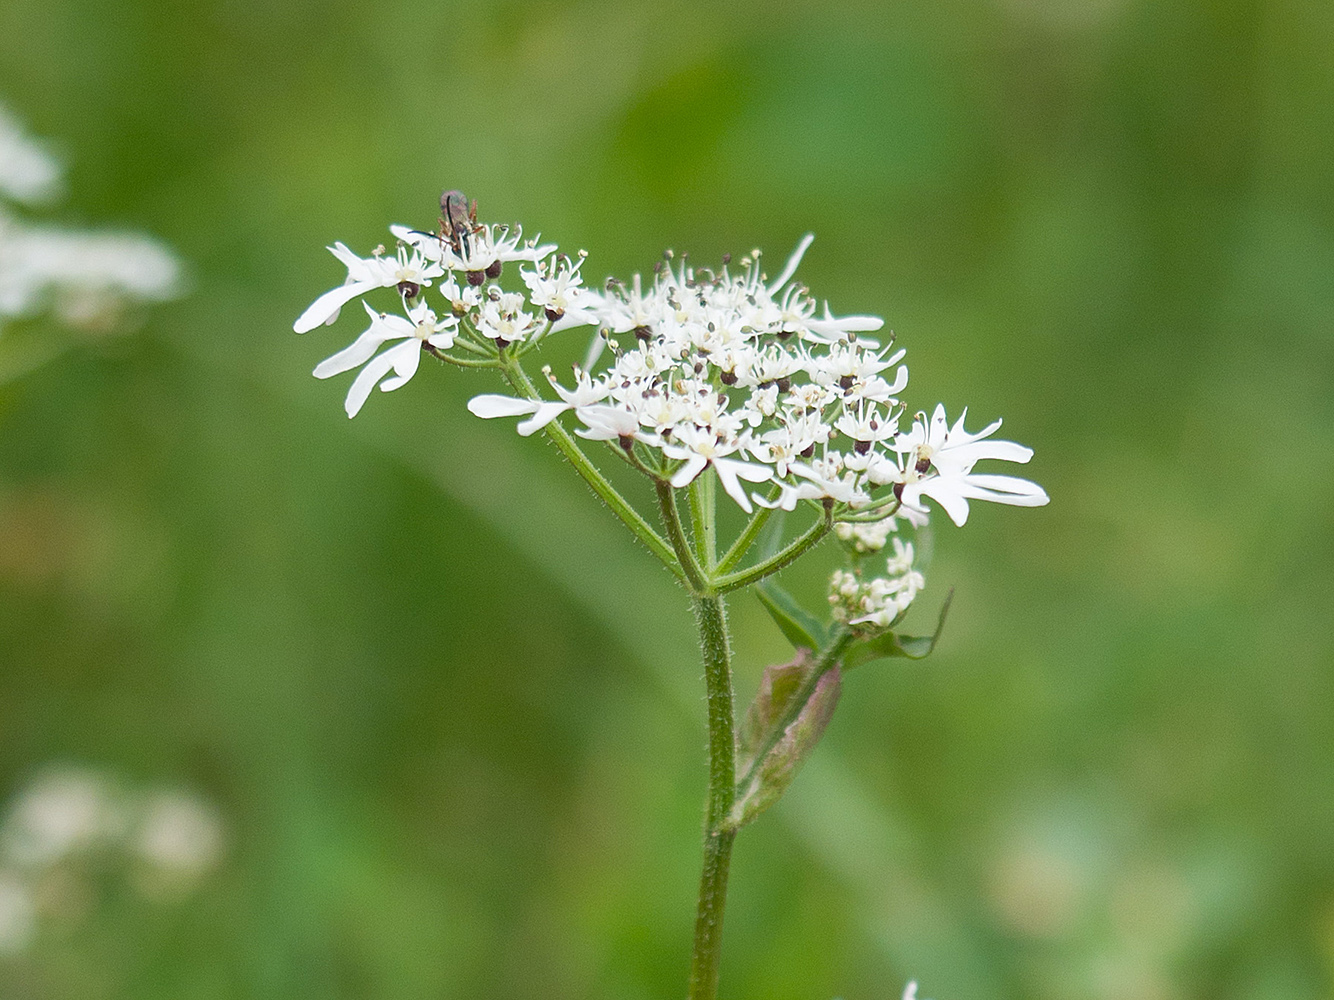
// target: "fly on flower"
[[458, 221]]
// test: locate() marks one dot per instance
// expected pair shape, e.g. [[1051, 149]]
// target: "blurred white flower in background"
[[17, 921], [87, 279], [58, 814], [28, 173], [70, 826]]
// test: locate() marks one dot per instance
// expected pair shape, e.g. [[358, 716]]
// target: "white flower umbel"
[[85, 278], [705, 381]]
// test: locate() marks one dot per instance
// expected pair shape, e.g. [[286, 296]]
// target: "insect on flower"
[[458, 220]]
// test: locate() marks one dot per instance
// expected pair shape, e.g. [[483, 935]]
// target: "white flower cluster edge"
[[707, 368]]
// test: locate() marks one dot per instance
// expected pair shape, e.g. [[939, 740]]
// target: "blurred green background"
[[451, 716]]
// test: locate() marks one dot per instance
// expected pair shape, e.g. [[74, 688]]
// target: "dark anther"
[[643, 333], [554, 314], [699, 367], [810, 450], [409, 289], [493, 269], [475, 278], [846, 382], [727, 258], [898, 492], [784, 384], [922, 465], [727, 378], [862, 447], [785, 334]]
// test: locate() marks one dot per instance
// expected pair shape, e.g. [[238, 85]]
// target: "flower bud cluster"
[[878, 602], [724, 369], [864, 537]]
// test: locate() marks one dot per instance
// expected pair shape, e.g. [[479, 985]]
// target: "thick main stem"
[[711, 617]]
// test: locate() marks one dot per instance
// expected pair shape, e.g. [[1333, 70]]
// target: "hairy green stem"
[[711, 618], [748, 535], [768, 567], [703, 523], [671, 520]]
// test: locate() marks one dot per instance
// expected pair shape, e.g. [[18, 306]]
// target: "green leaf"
[[892, 644], [799, 626]]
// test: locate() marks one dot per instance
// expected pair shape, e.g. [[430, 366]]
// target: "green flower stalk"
[[717, 383]]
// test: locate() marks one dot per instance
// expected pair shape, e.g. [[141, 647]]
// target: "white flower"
[[28, 173], [938, 463], [585, 393], [700, 448], [405, 270], [502, 318], [558, 291], [84, 275], [611, 423], [424, 328], [482, 251]]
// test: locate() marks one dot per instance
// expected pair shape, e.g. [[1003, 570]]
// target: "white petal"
[[360, 350], [728, 471], [687, 473], [595, 348], [376, 368], [1005, 489], [489, 406], [405, 358], [325, 308], [944, 492], [546, 412], [792, 262]]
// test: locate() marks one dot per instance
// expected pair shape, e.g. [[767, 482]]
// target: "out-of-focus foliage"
[[451, 718]]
